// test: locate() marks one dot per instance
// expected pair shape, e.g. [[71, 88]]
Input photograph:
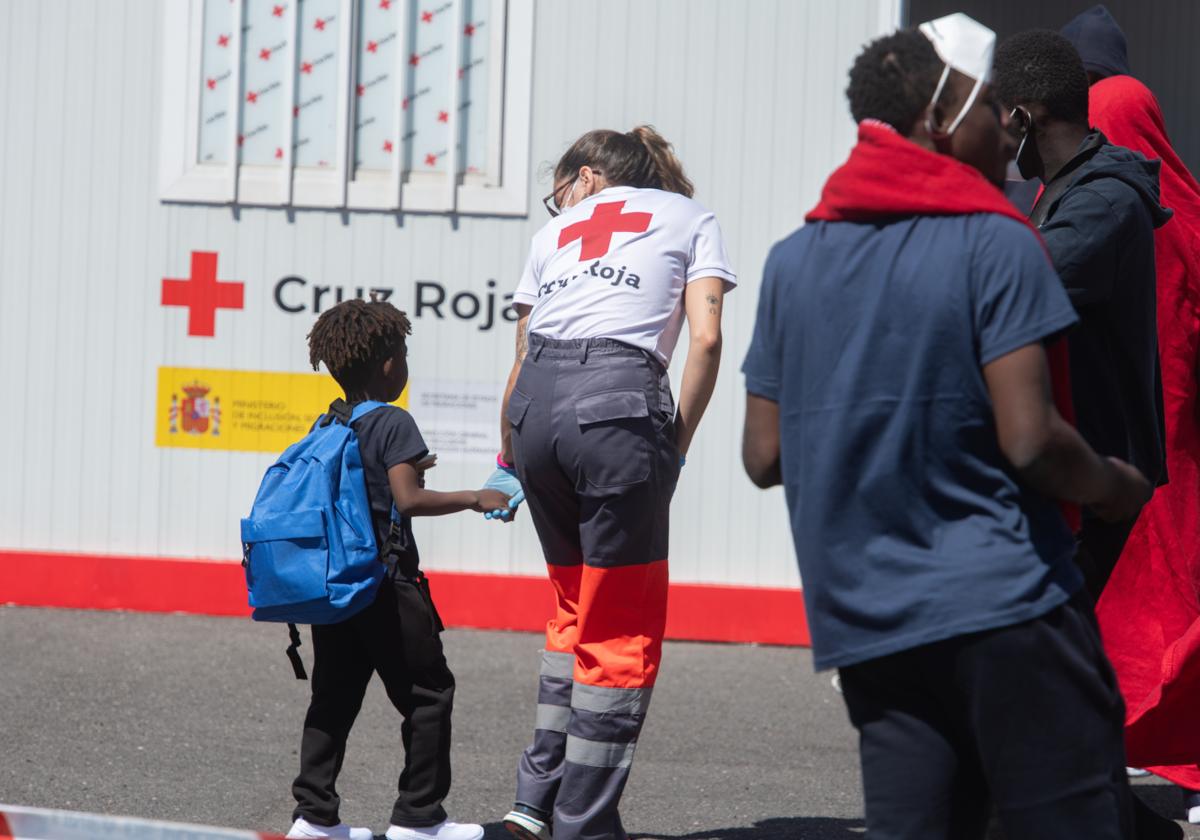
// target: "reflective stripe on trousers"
[[586, 727]]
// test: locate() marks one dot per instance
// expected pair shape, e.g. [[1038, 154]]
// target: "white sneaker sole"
[[358, 832], [423, 834], [525, 827]]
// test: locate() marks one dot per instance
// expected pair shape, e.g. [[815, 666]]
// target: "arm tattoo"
[[522, 342], [713, 303]]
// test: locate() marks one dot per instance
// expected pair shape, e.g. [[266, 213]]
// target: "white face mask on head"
[[963, 44]]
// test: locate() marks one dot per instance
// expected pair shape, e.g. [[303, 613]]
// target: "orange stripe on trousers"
[[612, 619]]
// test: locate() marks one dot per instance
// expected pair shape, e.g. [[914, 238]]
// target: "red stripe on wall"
[[697, 612]]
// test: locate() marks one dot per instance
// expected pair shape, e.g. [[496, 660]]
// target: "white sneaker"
[[302, 829], [1191, 801], [443, 831], [1136, 772]]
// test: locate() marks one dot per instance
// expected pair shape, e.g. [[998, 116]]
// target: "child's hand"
[[488, 500]]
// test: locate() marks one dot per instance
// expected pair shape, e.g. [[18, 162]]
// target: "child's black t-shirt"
[[388, 436]]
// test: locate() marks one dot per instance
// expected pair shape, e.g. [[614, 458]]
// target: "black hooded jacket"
[[1100, 42], [1098, 218]]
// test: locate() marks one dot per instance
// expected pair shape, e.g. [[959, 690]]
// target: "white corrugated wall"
[[750, 92]]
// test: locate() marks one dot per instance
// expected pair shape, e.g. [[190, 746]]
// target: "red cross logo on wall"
[[202, 293], [597, 231]]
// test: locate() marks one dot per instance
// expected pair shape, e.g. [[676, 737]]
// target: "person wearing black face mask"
[[1102, 47], [1021, 189], [1151, 602], [1097, 214]]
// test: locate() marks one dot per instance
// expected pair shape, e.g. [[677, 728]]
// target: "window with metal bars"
[[402, 105]]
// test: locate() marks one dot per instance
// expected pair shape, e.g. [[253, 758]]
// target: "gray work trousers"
[[594, 444]]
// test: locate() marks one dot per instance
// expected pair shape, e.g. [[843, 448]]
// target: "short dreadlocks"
[[355, 338]]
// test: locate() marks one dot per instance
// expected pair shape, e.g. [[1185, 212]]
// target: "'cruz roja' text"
[[295, 295], [615, 277]]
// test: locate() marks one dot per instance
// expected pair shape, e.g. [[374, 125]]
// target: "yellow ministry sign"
[[240, 410]]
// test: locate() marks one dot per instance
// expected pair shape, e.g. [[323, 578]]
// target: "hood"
[[1129, 115], [1100, 42], [888, 176], [1131, 168]]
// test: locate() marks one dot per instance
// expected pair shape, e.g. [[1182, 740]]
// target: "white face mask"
[[964, 45], [566, 202], [962, 111]]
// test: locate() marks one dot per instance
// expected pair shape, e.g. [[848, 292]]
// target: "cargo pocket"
[[664, 415], [420, 624], [518, 404], [617, 437]]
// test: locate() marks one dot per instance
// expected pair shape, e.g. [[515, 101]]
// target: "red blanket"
[[888, 175], [1150, 610]]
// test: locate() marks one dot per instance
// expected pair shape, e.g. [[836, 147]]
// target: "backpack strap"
[[339, 410], [293, 653], [364, 408], [346, 413]]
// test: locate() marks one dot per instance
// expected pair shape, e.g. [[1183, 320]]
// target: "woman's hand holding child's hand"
[[487, 500], [505, 479]]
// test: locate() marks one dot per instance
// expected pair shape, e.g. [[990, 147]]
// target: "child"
[[363, 346]]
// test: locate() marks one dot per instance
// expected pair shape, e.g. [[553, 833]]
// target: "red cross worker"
[[591, 430]]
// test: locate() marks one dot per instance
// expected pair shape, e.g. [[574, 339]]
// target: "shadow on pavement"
[[776, 828], [1163, 797]]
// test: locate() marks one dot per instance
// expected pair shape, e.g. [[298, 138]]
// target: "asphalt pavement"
[[198, 720]]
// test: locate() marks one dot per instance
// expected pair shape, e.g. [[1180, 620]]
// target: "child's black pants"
[[398, 638], [1026, 718]]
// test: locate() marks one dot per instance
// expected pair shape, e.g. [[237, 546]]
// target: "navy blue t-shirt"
[[910, 525], [388, 436]]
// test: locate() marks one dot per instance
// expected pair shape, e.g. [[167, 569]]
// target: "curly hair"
[[355, 338], [1041, 67], [893, 79]]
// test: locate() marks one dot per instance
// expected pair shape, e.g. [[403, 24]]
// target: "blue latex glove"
[[505, 480]]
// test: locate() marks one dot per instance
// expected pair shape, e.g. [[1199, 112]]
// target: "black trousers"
[[398, 638], [1026, 718], [1099, 547]]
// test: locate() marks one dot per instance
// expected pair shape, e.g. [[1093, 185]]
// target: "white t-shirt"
[[615, 266]]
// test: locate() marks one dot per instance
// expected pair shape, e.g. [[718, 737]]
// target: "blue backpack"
[[309, 541]]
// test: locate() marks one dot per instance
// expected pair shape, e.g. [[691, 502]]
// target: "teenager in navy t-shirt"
[[909, 523], [899, 390]]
